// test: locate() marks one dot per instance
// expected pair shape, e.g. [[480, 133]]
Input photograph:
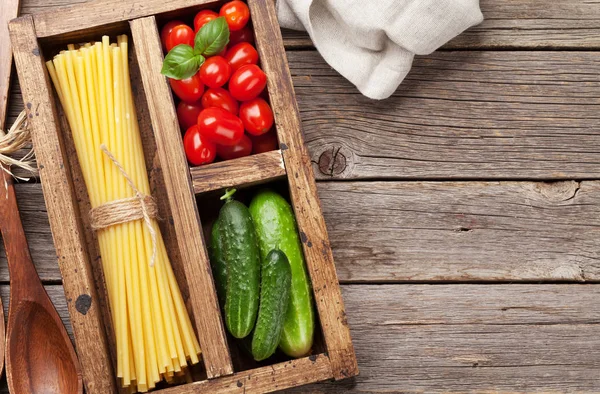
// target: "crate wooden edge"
[[209, 325], [245, 171], [58, 192], [293, 373], [303, 190], [97, 13]]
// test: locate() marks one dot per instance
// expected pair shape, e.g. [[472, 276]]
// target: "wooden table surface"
[[464, 211]]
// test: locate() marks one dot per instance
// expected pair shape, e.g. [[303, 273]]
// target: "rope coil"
[[141, 206]]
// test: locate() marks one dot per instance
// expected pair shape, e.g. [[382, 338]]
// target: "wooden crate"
[[175, 187]]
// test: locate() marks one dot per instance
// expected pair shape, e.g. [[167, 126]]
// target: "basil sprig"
[[183, 61]]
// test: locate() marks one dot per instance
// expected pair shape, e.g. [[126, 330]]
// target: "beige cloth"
[[372, 42]]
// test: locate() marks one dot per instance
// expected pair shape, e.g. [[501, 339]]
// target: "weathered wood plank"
[[458, 338], [510, 338], [467, 115], [471, 231], [429, 231], [508, 23]]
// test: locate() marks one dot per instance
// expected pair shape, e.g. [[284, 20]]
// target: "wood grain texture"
[[9, 9], [303, 191], [102, 12], [464, 231], [507, 24], [245, 171], [58, 191], [467, 115], [203, 298], [265, 379], [473, 338], [462, 338], [429, 231]]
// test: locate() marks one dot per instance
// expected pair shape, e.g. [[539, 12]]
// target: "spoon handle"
[[23, 276]]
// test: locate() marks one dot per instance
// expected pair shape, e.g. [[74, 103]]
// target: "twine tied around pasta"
[[141, 206]]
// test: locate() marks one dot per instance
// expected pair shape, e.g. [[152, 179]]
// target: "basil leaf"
[[181, 62], [212, 37]]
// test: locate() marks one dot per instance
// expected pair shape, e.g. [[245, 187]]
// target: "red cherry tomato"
[[256, 116], [223, 52], [215, 71], [166, 30], [189, 90], [198, 149], [241, 149], [187, 114], [220, 126], [241, 54], [264, 143], [247, 82], [236, 13], [180, 34], [221, 98], [202, 18], [243, 35]]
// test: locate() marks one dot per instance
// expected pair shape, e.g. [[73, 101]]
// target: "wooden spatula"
[[9, 9]]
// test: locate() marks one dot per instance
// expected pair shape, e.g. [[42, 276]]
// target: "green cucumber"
[[242, 255], [276, 229], [276, 280], [217, 262]]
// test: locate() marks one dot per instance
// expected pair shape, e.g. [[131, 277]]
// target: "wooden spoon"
[[9, 9], [39, 355]]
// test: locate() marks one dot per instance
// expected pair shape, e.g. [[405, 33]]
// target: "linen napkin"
[[372, 43]]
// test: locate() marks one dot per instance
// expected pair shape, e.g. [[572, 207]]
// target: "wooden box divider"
[[175, 186], [245, 171]]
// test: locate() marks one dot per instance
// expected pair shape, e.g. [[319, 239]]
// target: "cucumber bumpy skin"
[[275, 226], [217, 262], [242, 255], [276, 281]]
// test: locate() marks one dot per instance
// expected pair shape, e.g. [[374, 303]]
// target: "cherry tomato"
[[243, 35], [220, 126], [256, 116], [223, 52], [264, 143], [236, 13], [241, 54], [221, 98], [241, 149], [187, 114], [202, 18], [189, 90], [247, 82], [198, 149], [180, 34], [215, 71], [166, 30]]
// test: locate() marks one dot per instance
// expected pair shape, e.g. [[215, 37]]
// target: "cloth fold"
[[373, 43]]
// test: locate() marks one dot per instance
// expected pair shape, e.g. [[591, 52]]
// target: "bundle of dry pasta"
[[153, 332]]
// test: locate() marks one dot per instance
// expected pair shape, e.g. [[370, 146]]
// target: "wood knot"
[[332, 162], [83, 304]]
